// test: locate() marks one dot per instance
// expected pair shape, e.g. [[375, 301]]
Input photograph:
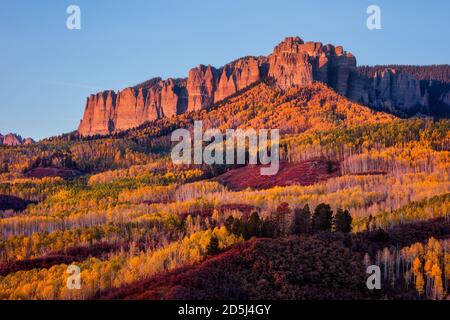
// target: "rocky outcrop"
[[388, 90], [293, 62], [207, 85], [98, 114], [12, 140], [289, 65], [238, 75], [108, 111], [201, 86]]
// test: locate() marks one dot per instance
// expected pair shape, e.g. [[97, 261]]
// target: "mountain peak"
[[289, 44]]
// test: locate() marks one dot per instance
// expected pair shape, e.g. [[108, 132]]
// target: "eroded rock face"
[[289, 64], [12, 139], [201, 86], [99, 113], [108, 111], [293, 62], [388, 90], [401, 90], [238, 75]]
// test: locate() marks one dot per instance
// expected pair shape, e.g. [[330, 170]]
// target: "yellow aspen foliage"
[[436, 274], [416, 266], [447, 266], [420, 284], [428, 267], [116, 271]]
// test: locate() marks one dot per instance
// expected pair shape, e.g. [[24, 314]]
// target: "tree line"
[[285, 221]]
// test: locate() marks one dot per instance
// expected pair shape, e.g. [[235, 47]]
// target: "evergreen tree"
[[229, 224], [322, 219], [237, 227], [302, 220], [213, 247], [282, 219], [343, 221], [268, 228], [254, 226]]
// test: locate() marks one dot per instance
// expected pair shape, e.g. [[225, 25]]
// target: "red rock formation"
[[169, 99], [201, 86], [238, 75], [12, 139], [107, 111], [289, 64], [292, 62], [99, 114], [129, 108]]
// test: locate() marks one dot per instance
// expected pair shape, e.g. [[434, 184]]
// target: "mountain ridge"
[[292, 63]]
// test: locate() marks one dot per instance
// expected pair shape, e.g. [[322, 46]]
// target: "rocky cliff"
[[293, 62], [12, 139], [388, 90]]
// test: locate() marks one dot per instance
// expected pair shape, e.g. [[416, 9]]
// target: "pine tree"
[[237, 227], [254, 226], [343, 221], [213, 247], [302, 220], [322, 219], [268, 228], [229, 224], [282, 219]]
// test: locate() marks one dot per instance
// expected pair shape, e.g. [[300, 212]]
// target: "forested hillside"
[[356, 187]]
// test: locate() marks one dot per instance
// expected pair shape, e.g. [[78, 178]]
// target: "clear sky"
[[46, 70]]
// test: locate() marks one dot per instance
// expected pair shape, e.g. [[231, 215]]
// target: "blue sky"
[[46, 70]]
